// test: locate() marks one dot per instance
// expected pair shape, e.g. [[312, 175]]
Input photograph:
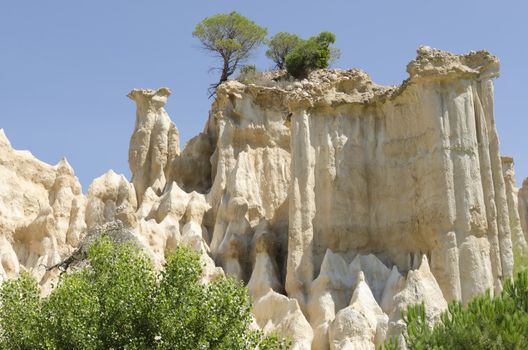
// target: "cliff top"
[[352, 86]]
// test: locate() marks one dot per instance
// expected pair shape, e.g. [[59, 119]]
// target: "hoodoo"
[[338, 201]]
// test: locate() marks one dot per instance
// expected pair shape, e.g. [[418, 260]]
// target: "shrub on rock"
[[314, 53], [487, 322]]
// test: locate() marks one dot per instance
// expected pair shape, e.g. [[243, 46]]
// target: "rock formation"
[[523, 207], [420, 286], [361, 325], [154, 143], [338, 201], [110, 197], [518, 239], [41, 213]]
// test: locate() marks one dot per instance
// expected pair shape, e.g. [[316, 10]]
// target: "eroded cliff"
[[338, 201]]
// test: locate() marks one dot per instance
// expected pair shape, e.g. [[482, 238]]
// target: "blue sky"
[[66, 66]]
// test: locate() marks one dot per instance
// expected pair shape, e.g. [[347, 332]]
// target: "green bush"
[[314, 53], [120, 302], [248, 69], [280, 45], [520, 259], [485, 323]]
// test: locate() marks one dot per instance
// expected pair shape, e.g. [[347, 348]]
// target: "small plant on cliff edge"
[[485, 323], [314, 53], [230, 37], [119, 302], [248, 74]]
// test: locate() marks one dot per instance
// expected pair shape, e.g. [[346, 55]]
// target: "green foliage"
[[314, 53], [70, 316], [520, 260], [275, 342], [280, 45], [485, 323], [248, 69], [230, 37], [19, 314], [120, 302]]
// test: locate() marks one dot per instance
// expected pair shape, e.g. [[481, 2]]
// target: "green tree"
[[487, 322], [19, 314], [314, 53], [280, 45], [231, 38], [119, 302]]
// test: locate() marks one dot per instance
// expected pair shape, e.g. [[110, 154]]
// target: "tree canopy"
[[231, 38], [120, 302], [280, 45]]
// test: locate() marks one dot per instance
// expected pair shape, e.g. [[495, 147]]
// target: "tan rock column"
[[523, 206], [504, 234], [155, 141], [518, 240], [488, 187], [300, 270]]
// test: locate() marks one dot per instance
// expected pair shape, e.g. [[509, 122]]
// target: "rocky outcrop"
[[419, 287], [275, 312], [518, 239], [338, 201], [154, 143], [361, 325], [191, 170], [523, 207], [110, 197], [41, 213]]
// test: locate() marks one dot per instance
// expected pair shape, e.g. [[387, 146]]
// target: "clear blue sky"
[[66, 66]]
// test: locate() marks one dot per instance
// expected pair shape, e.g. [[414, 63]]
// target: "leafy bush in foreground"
[[485, 323], [120, 302]]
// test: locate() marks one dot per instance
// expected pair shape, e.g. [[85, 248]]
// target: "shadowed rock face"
[[339, 201]]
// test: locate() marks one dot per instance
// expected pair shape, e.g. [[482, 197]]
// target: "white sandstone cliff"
[[41, 213], [339, 201]]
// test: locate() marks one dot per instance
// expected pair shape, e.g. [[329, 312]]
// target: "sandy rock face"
[[154, 143], [360, 151], [420, 286], [512, 196], [41, 212], [361, 325], [523, 207], [338, 201], [110, 197], [275, 312], [399, 171]]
